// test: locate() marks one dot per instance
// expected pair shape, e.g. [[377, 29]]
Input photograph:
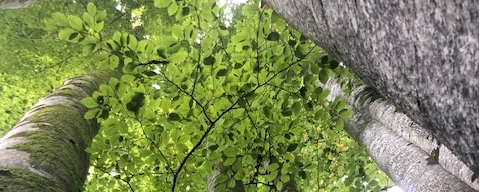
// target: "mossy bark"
[[45, 151]]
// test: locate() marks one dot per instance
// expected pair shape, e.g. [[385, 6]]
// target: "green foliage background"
[[200, 92]]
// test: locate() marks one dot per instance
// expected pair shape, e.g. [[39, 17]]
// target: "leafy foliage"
[[202, 94]]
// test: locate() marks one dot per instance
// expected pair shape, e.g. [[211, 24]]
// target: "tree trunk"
[[421, 55], [15, 4], [212, 180], [45, 151], [406, 164]]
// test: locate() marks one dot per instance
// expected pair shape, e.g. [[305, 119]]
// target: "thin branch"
[[169, 166], [199, 143], [117, 18], [290, 65], [191, 96], [56, 65]]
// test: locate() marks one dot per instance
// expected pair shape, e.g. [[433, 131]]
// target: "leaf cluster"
[[241, 99]]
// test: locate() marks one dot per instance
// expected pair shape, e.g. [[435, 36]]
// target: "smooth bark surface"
[[421, 55], [45, 151], [15, 4], [402, 161]]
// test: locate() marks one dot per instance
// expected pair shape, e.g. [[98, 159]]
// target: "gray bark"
[[15, 4], [45, 151], [404, 162], [420, 55], [212, 178]]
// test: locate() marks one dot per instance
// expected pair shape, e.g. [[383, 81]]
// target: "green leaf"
[[88, 19], [185, 11], [222, 72], [131, 42], [172, 9], [334, 64], [92, 113], [323, 75], [279, 185], [113, 82], [303, 174], [89, 48], [100, 16], [349, 180], [229, 161], [345, 113], [113, 45], [286, 112], [240, 174], [324, 60], [231, 182], [210, 60], [342, 105], [299, 53], [104, 114], [173, 117], [150, 73], [162, 3], [91, 8], [117, 37], [127, 78], [60, 19], [75, 22], [65, 34], [179, 57], [230, 152], [114, 61], [372, 183], [292, 147], [99, 26], [177, 31], [89, 40], [222, 178], [285, 178], [296, 107], [142, 46], [182, 148], [272, 175], [273, 166], [339, 124], [136, 103], [273, 36], [89, 102], [249, 10]]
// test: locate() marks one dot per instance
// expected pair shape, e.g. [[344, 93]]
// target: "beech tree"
[[236, 102], [399, 146], [47, 147], [422, 56]]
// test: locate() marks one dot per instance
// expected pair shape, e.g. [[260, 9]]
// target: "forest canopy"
[[211, 94]]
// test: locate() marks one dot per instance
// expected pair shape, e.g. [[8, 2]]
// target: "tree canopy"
[[201, 92]]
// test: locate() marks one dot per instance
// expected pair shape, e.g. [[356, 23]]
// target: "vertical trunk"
[[404, 162], [214, 186], [421, 55], [212, 178], [45, 151]]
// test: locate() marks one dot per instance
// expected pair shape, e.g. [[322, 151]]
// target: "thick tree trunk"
[[421, 55], [405, 163], [45, 151]]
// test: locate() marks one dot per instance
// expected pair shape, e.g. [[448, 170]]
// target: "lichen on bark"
[[49, 142]]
